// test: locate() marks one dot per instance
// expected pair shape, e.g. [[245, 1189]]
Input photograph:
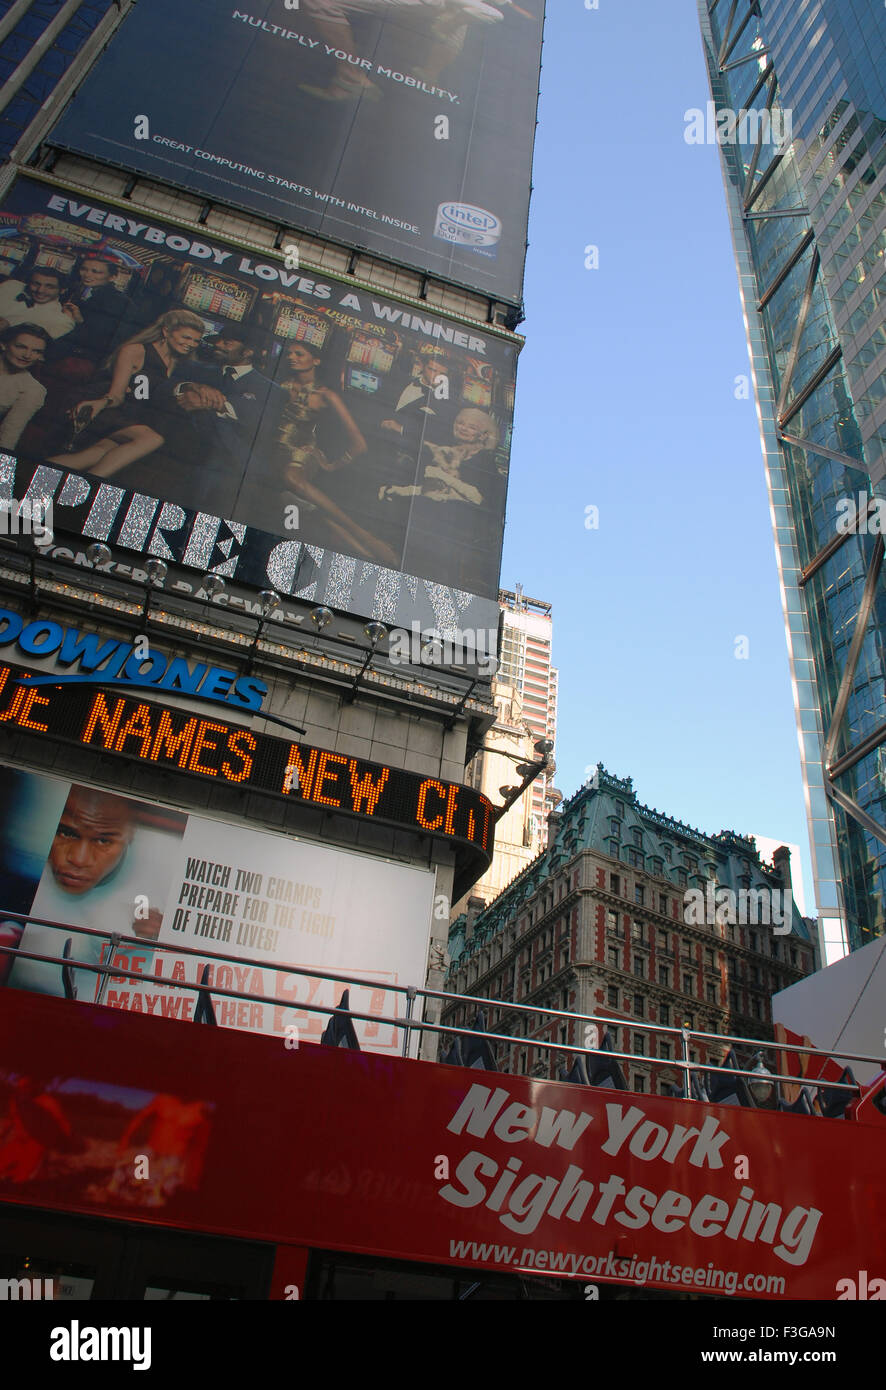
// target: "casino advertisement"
[[152, 359], [402, 126], [81, 856]]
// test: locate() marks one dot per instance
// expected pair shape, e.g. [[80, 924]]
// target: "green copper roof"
[[666, 848]]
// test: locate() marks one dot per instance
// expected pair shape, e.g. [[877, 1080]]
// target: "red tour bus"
[[144, 1157]]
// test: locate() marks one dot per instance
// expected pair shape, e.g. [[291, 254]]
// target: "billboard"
[[53, 709], [402, 126], [373, 437], [78, 855]]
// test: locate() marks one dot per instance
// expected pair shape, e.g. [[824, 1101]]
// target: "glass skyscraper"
[[45, 47], [799, 113]]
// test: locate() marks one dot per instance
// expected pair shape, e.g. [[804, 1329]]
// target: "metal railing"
[[406, 1022]]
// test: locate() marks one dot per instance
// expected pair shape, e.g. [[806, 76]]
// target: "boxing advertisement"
[[79, 856]]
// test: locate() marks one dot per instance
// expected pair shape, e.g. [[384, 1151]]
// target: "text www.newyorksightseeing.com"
[[617, 1267]]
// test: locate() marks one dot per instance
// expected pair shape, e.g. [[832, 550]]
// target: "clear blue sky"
[[626, 401]]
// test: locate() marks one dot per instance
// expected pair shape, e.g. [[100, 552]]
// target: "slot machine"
[[368, 354], [216, 298], [13, 252], [483, 387], [369, 358], [289, 321], [51, 244], [478, 383], [55, 258], [293, 323]]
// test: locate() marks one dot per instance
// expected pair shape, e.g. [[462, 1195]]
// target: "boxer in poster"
[[105, 871]]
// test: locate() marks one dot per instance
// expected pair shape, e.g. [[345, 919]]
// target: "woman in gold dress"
[[311, 405]]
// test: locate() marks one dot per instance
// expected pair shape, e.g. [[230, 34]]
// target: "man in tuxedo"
[[95, 309], [37, 301], [420, 403], [233, 412]]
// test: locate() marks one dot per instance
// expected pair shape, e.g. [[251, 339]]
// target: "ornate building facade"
[[604, 922]]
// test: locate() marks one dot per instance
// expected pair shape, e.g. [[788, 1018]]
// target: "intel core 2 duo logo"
[[467, 225]]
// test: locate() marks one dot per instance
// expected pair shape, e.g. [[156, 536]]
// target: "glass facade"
[[53, 33], [808, 214]]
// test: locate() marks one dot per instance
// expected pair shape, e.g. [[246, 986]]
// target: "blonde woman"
[[456, 508], [474, 432], [130, 420]]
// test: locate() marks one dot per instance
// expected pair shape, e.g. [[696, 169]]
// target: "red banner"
[[161, 1121]]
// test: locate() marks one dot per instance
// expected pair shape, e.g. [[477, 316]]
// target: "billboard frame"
[[481, 610], [351, 240]]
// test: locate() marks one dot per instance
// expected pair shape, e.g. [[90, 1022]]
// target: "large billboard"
[[171, 365], [402, 126], [81, 856], [54, 708]]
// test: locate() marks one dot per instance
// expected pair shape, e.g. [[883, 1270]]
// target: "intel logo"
[[467, 225], [468, 216]]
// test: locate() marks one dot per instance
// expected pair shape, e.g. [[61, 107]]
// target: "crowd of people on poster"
[[311, 409]]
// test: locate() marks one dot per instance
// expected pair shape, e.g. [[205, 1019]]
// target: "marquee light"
[[148, 732]]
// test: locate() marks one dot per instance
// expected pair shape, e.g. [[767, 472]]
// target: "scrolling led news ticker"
[[210, 748]]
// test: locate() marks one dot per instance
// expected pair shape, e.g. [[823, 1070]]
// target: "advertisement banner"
[[402, 126], [501, 1172], [370, 436], [85, 857]]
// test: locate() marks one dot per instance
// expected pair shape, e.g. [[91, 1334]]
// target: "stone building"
[[606, 921]]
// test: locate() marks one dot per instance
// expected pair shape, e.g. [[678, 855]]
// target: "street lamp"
[[761, 1086], [270, 604], [213, 586], [375, 632], [155, 574], [156, 571], [98, 554], [321, 617], [528, 772]]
